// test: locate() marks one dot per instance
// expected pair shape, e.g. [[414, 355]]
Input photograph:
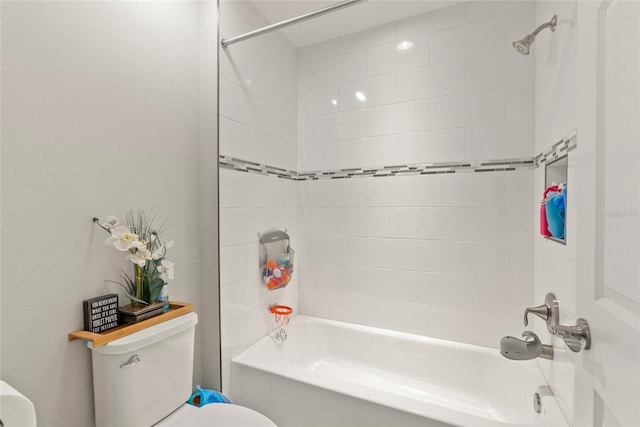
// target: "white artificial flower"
[[166, 270], [140, 256], [161, 251], [122, 238], [112, 222]]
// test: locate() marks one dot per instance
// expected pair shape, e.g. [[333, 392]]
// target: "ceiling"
[[352, 19]]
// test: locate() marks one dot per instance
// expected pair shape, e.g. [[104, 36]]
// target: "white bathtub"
[[331, 373]]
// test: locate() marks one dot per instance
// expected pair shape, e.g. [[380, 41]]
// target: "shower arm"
[[551, 25]]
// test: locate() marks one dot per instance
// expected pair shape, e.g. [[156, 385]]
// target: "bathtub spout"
[[529, 348]]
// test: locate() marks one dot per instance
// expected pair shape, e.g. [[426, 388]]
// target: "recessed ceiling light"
[[404, 45], [334, 101], [361, 96]]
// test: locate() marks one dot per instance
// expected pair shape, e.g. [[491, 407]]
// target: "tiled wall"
[[258, 111], [258, 106], [428, 254], [460, 93], [555, 264], [436, 254]]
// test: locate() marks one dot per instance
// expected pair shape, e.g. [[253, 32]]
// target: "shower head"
[[524, 46]]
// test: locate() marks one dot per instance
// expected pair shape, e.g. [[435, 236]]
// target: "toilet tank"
[[141, 378]]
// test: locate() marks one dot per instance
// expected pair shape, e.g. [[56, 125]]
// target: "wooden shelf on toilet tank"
[[175, 309]]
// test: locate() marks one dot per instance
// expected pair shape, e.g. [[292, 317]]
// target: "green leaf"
[[155, 286]]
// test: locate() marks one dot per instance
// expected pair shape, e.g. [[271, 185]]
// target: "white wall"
[[101, 114], [555, 264], [258, 113], [425, 254]]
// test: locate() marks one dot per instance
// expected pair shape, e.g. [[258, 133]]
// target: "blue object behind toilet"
[[202, 397]]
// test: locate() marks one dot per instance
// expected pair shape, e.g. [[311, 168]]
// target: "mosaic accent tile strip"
[[558, 149]]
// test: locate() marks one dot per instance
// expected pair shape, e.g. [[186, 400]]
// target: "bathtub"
[[332, 373]]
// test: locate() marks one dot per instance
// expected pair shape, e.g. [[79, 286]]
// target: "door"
[[608, 263]]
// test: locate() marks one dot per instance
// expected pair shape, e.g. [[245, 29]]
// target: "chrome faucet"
[[529, 348]]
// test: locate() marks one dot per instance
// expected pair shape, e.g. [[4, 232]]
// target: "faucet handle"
[[542, 311], [549, 311]]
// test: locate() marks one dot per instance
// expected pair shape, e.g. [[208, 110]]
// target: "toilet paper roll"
[[15, 409]]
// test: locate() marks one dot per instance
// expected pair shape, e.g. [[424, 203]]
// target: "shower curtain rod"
[[287, 22]]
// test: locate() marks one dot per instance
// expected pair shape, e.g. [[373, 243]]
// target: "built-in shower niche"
[[553, 207]]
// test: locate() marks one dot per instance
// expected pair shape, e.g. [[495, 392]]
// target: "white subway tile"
[[240, 225], [486, 259], [408, 286], [306, 194], [319, 221], [484, 291], [344, 125], [453, 324], [401, 254], [232, 189], [341, 68], [241, 141], [521, 22], [282, 218], [481, 10], [322, 156], [486, 224], [431, 223], [387, 58], [368, 222], [306, 302], [233, 338], [318, 276], [517, 294], [341, 192], [322, 100], [259, 322], [398, 191], [368, 92], [519, 262], [447, 257], [501, 69], [429, 147], [281, 153], [398, 118], [500, 141], [318, 51], [518, 225], [352, 251], [468, 109], [253, 261], [468, 189], [520, 190], [520, 102], [433, 21], [232, 264], [239, 298], [469, 40], [372, 37], [434, 80], [400, 316], [367, 152]]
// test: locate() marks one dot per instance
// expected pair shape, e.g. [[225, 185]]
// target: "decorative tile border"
[[558, 149]]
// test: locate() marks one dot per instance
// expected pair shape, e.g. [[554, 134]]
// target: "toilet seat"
[[216, 414]]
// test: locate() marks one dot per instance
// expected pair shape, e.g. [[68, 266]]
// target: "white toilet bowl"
[[215, 414]]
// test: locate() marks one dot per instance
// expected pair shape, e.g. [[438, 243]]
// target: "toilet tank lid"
[[148, 336]]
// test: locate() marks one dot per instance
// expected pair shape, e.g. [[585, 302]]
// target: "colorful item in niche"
[[552, 212]]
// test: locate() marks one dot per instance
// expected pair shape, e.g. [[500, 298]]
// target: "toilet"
[[144, 379]]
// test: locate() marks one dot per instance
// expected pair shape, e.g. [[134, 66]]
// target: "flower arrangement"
[[151, 270]]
